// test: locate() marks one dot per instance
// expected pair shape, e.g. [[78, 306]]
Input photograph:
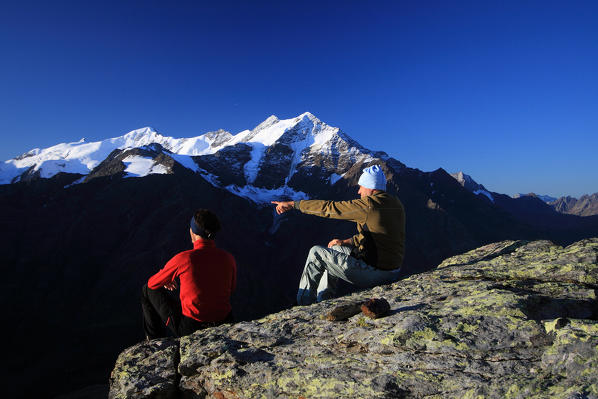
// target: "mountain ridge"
[[279, 149], [586, 205], [468, 183], [296, 142], [545, 198]]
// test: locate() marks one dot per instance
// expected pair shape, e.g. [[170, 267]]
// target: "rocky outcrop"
[[510, 319]]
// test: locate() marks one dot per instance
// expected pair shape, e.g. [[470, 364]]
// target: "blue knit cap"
[[373, 178]]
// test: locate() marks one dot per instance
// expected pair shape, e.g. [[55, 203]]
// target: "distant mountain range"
[[266, 159], [84, 225], [587, 205], [545, 198]]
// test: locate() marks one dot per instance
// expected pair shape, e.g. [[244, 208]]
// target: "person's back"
[[207, 278], [211, 280], [380, 218], [383, 232]]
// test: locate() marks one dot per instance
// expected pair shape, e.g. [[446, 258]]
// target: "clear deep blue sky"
[[505, 91]]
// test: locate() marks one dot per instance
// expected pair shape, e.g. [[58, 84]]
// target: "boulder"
[[146, 370]]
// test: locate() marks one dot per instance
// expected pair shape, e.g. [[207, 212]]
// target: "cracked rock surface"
[[513, 319]]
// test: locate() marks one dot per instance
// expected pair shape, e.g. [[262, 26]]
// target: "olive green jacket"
[[380, 218]]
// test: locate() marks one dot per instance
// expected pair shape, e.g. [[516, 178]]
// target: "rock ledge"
[[512, 319]]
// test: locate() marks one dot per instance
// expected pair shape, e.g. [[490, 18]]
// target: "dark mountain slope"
[[77, 258]]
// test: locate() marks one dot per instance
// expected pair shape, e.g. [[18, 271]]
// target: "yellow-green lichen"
[[361, 321], [550, 325], [514, 391], [471, 394], [330, 387], [468, 328]]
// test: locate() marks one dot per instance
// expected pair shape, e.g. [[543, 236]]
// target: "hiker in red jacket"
[[206, 278]]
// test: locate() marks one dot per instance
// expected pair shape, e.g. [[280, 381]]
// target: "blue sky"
[[505, 91]]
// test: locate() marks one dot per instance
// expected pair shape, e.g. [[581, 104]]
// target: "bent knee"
[[316, 249]]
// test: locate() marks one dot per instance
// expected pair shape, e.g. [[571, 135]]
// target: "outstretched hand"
[[283, 206]]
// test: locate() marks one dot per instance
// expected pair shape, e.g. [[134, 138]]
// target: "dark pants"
[[162, 308]]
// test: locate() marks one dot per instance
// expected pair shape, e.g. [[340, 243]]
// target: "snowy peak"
[[305, 117], [198, 145], [217, 138], [277, 153], [287, 131], [271, 120], [143, 136], [308, 117]]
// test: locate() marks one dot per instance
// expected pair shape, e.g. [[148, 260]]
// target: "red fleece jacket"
[[208, 276]]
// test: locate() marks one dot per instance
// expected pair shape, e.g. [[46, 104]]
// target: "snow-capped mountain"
[[468, 183], [82, 157], [266, 162]]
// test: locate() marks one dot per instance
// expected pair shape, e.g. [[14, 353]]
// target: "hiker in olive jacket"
[[371, 257]]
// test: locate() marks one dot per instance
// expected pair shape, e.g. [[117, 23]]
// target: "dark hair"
[[207, 221]]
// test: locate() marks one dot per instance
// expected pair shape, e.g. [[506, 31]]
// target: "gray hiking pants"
[[324, 266]]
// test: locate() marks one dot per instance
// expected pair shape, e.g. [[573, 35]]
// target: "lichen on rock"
[[512, 319], [146, 370]]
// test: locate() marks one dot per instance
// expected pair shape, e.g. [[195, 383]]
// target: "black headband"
[[198, 230]]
